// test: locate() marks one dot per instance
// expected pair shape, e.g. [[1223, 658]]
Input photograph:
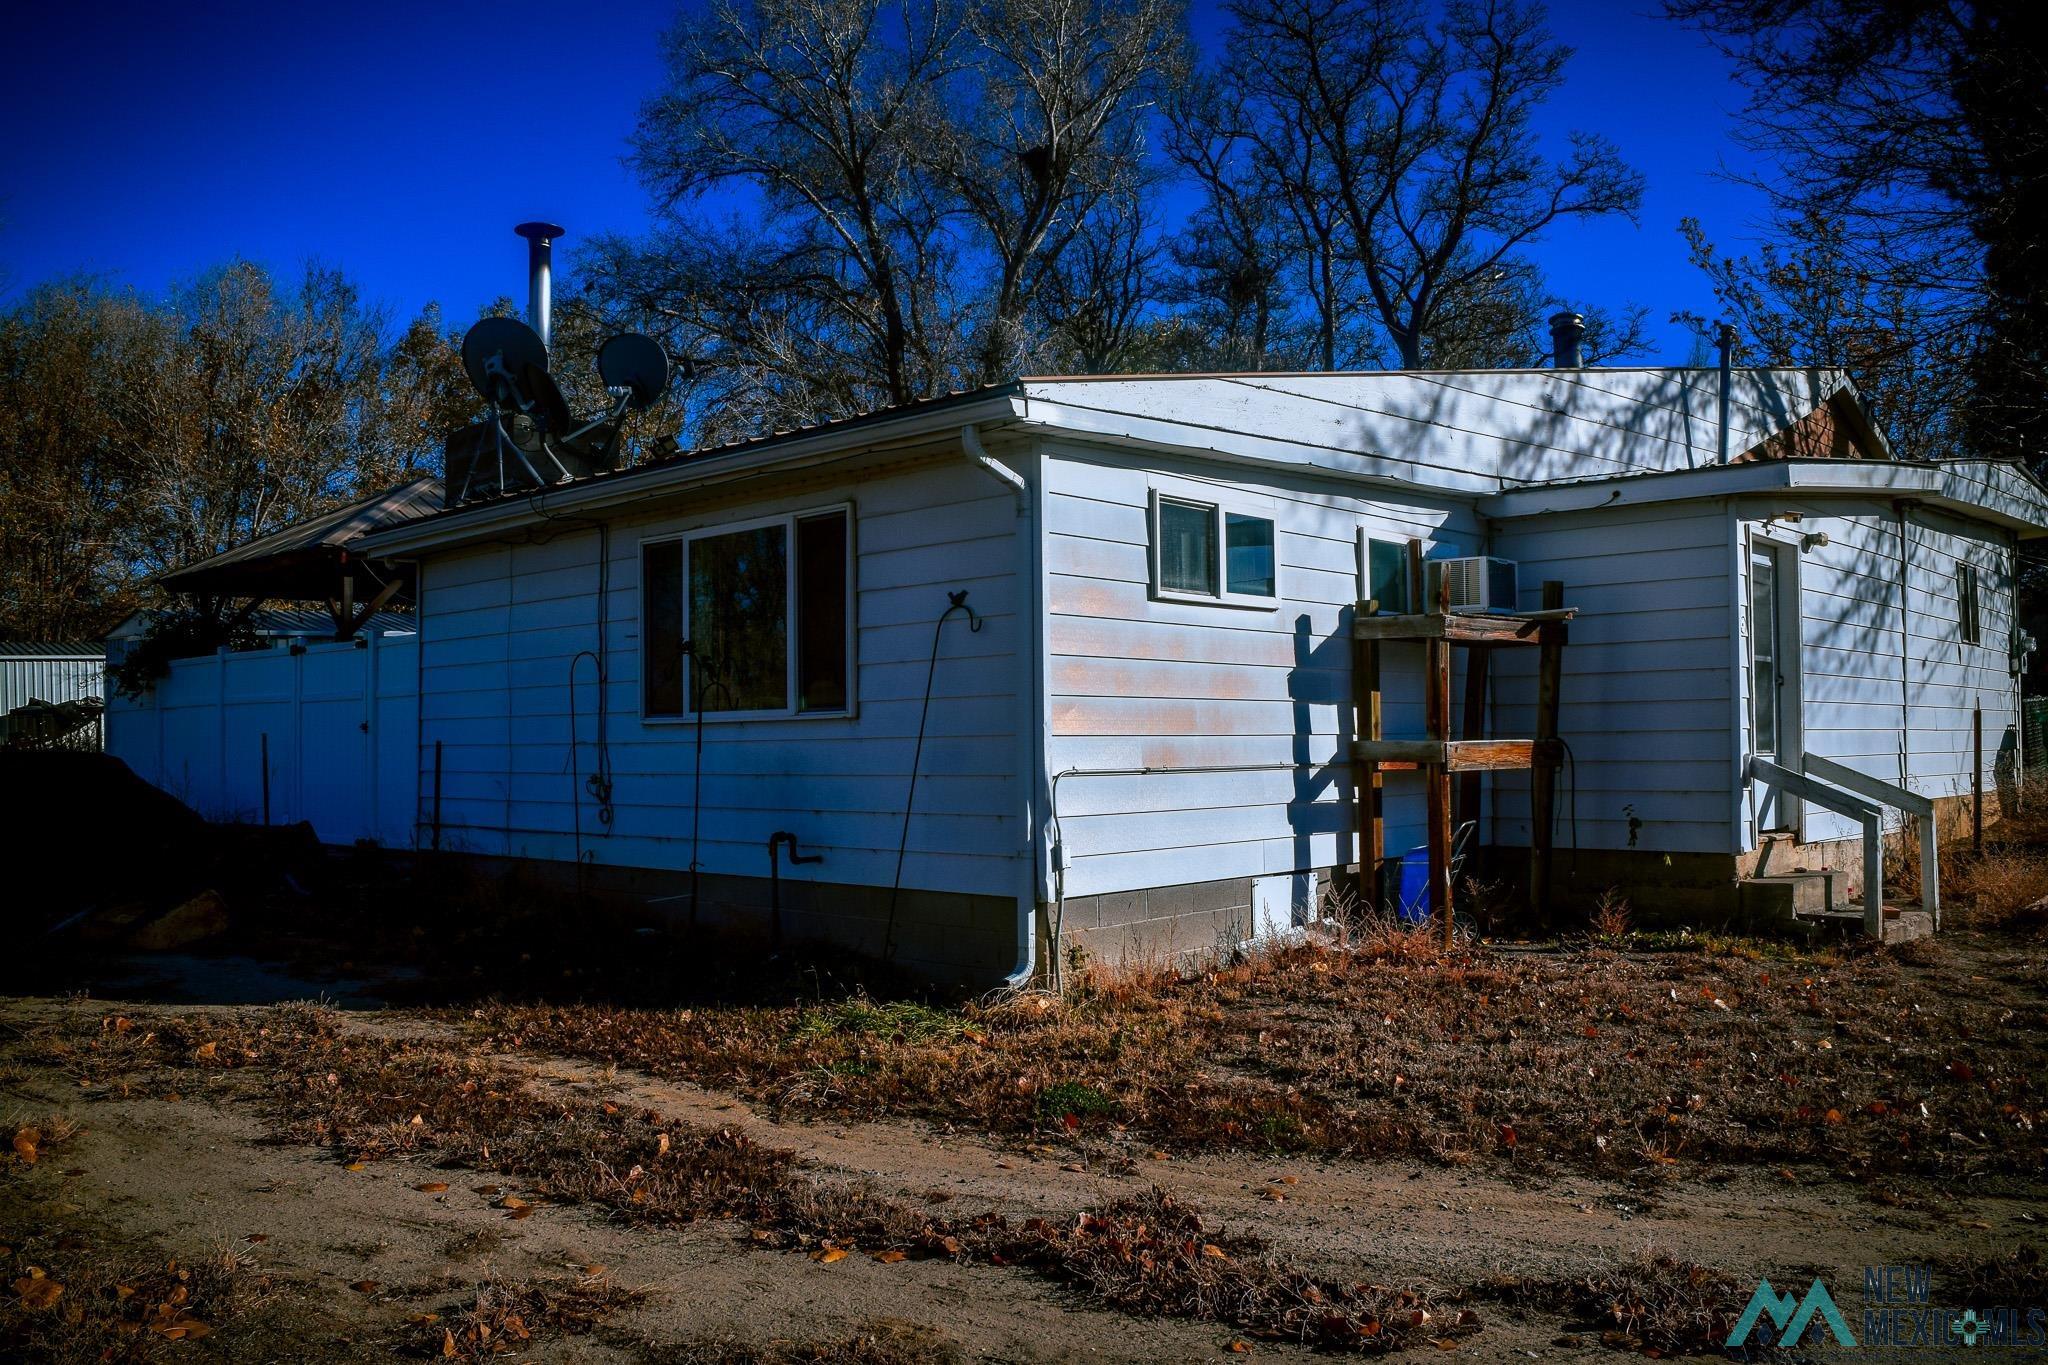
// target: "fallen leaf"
[[432, 1187], [1214, 1252], [421, 1319], [257, 1237], [364, 1286], [204, 1052], [353, 1166], [1239, 1347], [891, 1257], [448, 1349], [1073, 1166], [37, 1290], [829, 1257]]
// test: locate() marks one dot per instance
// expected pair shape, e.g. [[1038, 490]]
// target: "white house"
[[1134, 734]]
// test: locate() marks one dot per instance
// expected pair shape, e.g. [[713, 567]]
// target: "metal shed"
[[41, 670]]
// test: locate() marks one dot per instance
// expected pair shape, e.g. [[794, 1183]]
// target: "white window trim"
[[788, 521], [1220, 505]]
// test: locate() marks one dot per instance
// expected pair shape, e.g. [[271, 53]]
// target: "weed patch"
[[1655, 1304]]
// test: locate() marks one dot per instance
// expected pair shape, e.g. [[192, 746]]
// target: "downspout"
[[1030, 756], [1905, 646]]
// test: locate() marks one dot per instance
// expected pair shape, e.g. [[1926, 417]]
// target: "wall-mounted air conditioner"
[[1478, 583]]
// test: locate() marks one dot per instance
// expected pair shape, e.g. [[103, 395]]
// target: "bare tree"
[[1423, 142], [1052, 133], [1909, 140], [828, 110]]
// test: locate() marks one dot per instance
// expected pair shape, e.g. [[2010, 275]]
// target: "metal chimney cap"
[[1567, 331], [540, 232]]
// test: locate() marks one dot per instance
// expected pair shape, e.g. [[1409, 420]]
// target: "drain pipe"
[[775, 843], [1030, 756], [1905, 644]]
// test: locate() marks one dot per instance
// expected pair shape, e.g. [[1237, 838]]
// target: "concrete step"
[[1783, 896], [1900, 925]]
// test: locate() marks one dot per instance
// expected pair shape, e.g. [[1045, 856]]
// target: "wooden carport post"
[[1543, 772], [1436, 706]]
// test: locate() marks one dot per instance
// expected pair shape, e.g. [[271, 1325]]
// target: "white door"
[[1774, 675]]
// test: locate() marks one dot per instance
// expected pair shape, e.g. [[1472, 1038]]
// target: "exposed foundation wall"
[[962, 941], [1183, 926]]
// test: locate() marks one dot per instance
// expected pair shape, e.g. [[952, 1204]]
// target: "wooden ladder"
[[1439, 755]]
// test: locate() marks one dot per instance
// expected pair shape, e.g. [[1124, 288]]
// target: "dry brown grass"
[[370, 1098], [63, 1305], [1154, 1255], [2005, 886], [882, 1342], [507, 1317], [1653, 1303], [1628, 1063]]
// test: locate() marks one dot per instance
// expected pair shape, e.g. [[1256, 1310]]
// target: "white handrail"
[[1842, 803], [1911, 803]]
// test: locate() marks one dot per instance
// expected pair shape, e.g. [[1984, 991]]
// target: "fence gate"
[[328, 734]]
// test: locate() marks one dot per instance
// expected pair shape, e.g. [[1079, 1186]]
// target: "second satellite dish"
[[635, 365]]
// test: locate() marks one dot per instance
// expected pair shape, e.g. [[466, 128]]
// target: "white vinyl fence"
[[328, 734]]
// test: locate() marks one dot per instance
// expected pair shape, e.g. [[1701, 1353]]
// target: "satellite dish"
[[496, 353], [635, 364]]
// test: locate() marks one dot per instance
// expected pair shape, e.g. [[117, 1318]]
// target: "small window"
[[1386, 575], [749, 620], [1966, 603], [1206, 551]]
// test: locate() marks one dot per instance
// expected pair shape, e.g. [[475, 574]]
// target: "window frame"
[[791, 644], [1221, 507], [1367, 538], [1969, 602]]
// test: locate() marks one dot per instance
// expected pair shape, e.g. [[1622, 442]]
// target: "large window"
[[753, 619], [1212, 552]]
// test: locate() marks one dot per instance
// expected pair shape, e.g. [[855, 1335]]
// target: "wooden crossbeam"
[[1464, 627]]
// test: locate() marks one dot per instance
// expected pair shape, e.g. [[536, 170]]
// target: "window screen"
[[739, 600], [1248, 551], [1187, 547], [661, 629], [821, 593]]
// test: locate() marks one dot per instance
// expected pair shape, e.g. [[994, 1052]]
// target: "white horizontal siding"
[[505, 625], [1133, 682], [1854, 706], [1644, 700]]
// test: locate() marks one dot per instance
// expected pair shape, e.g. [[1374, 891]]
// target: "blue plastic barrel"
[[1413, 903]]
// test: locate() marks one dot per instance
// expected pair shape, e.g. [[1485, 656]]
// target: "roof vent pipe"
[[540, 275], [1724, 337], [1567, 337]]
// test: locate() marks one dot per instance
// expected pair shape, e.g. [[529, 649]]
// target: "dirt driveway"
[[258, 1183]]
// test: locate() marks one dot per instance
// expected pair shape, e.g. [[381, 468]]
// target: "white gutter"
[[1030, 757], [828, 443], [1966, 487]]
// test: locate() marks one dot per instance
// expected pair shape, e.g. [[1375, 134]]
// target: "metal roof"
[[51, 649], [279, 623], [302, 562]]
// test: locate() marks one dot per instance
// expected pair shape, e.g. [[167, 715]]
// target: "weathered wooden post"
[[1543, 761]]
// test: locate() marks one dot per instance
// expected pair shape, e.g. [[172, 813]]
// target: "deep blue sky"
[[401, 142]]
